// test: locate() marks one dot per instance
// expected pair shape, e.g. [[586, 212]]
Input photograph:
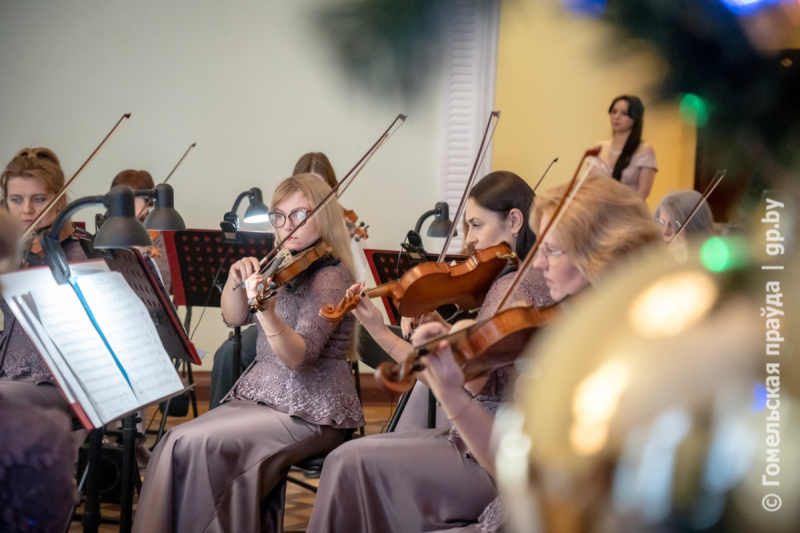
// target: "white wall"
[[252, 82]]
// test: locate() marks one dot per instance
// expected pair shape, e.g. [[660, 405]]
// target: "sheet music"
[[65, 321], [129, 331]]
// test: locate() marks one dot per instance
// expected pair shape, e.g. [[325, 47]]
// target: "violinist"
[[496, 212], [30, 181], [141, 180], [435, 480], [675, 208], [225, 471], [222, 375]]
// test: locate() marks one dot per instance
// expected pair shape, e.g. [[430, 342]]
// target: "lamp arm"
[[239, 199], [53, 253], [425, 215]]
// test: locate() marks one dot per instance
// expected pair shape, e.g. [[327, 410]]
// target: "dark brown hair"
[[501, 192], [34, 163], [316, 163]]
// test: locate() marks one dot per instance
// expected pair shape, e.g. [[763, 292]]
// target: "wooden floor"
[[299, 501]]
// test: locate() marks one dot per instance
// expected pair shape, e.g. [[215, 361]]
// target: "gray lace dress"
[[226, 470], [419, 480]]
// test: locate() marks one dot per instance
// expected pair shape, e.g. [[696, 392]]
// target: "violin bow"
[[343, 183], [494, 118], [553, 162], [170, 174], [572, 190], [711, 186], [63, 191]]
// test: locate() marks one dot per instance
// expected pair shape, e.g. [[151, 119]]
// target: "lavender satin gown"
[[225, 471], [420, 480]]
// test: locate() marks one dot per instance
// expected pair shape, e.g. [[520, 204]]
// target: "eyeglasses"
[[547, 253], [279, 219], [673, 225]]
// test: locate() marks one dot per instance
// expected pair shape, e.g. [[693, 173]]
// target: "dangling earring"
[[515, 234]]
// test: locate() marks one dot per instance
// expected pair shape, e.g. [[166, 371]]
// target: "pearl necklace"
[[614, 152]]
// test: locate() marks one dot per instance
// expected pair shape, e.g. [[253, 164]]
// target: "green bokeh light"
[[694, 110], [718, 254]]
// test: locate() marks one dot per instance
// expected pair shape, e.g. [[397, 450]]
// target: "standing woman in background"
[[626, 157], [29, 183], [226, 470]]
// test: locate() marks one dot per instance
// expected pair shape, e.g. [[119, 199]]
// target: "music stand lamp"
[[120, 230], [439, 228], [256, 212]]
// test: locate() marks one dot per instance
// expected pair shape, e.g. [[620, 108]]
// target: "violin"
[[478, 349], [499, 340], [428, 286], [66, 233], [357, 232], [280, 274]]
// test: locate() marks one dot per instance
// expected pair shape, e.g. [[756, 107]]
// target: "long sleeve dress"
[[418, 480], [24, 376], [226, 470]]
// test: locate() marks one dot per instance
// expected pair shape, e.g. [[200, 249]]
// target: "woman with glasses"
[[437, 480], [29, 183], [626, 157], [225, 471], [675, 208]]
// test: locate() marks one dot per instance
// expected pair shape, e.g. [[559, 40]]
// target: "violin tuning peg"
[[250, 301], [272, 285], [260, 287]]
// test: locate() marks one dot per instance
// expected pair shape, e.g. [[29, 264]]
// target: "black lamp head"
[[440, 227], [163, 216], [121, 229], [257, 211]]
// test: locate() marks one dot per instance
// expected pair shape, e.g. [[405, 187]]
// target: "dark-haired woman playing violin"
[[226, 470], [436, 480], [496, 212]]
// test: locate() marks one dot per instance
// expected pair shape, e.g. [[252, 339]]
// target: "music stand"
[[200, 260], [133, 267]]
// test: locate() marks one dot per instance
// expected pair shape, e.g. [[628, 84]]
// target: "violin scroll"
[[334, 313], [397, 377]]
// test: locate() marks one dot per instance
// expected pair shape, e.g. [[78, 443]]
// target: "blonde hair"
[[330, 221], [605, 223]]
